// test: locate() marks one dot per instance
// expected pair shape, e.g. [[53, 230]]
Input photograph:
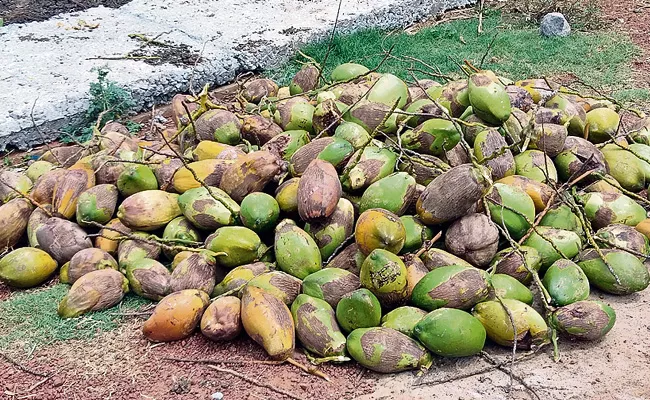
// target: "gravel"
[[48, 66]]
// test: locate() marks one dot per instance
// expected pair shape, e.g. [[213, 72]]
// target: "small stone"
[[216, 396], [554, 25]]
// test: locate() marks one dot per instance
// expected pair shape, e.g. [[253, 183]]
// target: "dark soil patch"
[[19, 11], [631, 17]]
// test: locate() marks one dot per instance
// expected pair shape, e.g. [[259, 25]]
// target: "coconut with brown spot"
[[221, 321], [387, 350], [250, 173], [259, 130], [43, 188], [518, 264], [539, 192], [13, 185], [584, 320], [36, 219], [68, 189], [238, 277], [149, 279], [209, 208], [149, 210], [436, 258], [385, 275], [62, 239], [603, 209], [327, 117], [165, 172], [452, 194], [88, 260], [209, 172], [529, 326], [452, 286], [331, 232], [623, 237], [218, 125], [330, 284], [474, 238], [279, 284], [491, 149], [133, 249], [316, 326], [379, 229], [268, 321], [334, 150], [424, 168], [198, 271], [96, 204], [95, 291], [14, 218], [373, 164]]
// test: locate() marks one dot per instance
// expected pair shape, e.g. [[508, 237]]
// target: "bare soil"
[[19, 11], [122, 364], [631, 17]]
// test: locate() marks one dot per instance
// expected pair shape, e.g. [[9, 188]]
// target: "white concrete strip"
[[51, 63]]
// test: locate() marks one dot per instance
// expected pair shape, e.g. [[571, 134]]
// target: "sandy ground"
[[122, 365]]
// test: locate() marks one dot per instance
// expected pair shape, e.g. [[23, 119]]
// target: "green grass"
[[29, 320], [600, 59]]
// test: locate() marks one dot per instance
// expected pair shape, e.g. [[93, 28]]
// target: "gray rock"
[[554, 25]]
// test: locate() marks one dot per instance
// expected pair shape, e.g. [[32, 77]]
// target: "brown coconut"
[[107, 168], [198, 271], [88, 260], [62, 239], [257, 89], [474, 238], [43, 189], [65, 156], [259, 130], [14, 216], [307, 78], [181, 104], [113, 142], [221, 321], [319, 191], [520, 98], [350, 258]]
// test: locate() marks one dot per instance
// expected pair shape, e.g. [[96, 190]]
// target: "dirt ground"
[[631, 17], [19, 11], [121, 364]]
